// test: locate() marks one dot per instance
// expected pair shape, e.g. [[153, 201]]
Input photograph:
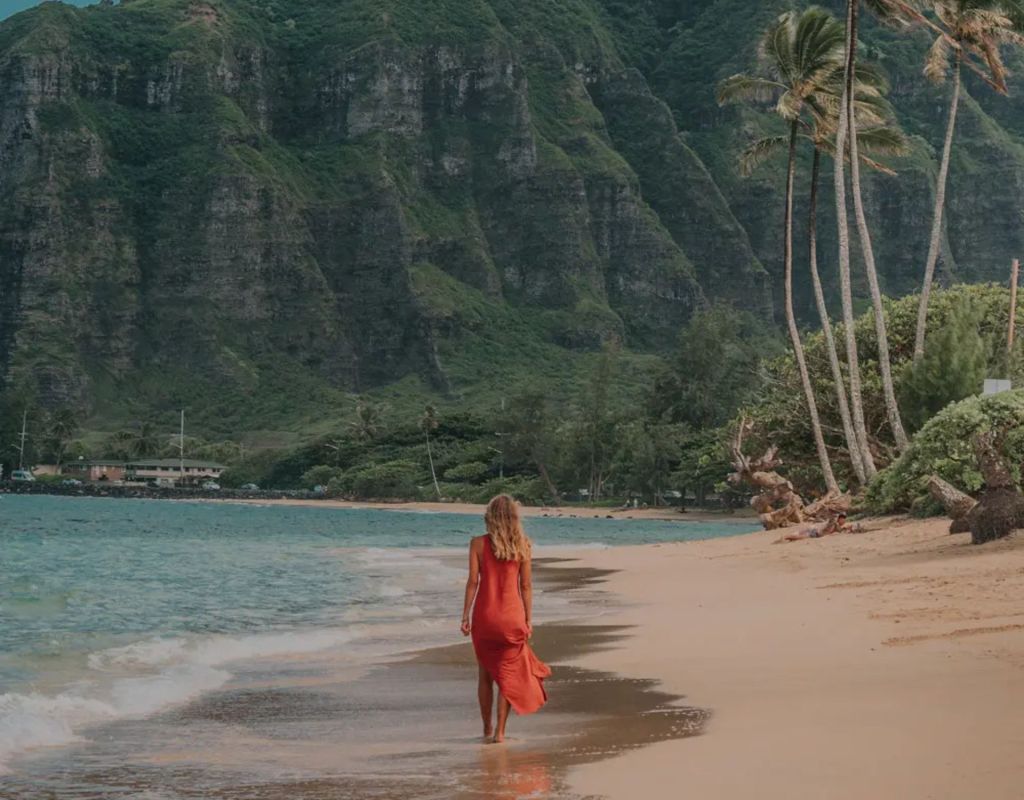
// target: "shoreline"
[[477, 509], [664, 513], [883, 664], [402, 725]]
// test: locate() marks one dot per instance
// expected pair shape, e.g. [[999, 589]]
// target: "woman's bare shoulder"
[[477, 542]]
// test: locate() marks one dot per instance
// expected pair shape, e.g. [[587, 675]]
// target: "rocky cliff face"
[[232, 193]]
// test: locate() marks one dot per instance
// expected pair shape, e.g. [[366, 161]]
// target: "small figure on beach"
[[499, 593], [835, 525]]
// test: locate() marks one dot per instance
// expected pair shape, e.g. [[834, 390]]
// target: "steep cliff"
[[215, 202], [221, 190]]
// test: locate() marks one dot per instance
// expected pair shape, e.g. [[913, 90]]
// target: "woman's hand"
[[529, 630], [466, 626]]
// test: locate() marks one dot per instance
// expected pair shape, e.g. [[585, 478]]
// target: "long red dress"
[[500, 636]]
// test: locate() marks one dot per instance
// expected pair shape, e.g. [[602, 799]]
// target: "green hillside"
[[260, 209]]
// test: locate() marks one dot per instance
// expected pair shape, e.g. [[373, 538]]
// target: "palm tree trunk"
[[940, 202], [884, 363], [430, 458], [546, 477], [826, 327], [846, 290], [794, 333]]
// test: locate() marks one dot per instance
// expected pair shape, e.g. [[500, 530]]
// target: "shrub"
[[470, 472], [320, 475], [943, 447], [953, 367], [391, 480]]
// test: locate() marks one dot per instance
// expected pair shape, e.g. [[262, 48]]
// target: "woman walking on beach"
[[499, 592]]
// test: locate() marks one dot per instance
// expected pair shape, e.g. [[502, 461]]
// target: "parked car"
[[249, 487], [23, 476], [71, 482], [211, 486]]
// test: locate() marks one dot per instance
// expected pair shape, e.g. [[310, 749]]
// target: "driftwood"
[[1000, 510], [777, 503], [956, 503]]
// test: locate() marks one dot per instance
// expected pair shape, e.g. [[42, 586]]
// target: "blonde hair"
[[505, 529]]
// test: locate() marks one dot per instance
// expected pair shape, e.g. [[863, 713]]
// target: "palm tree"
[[963, 28], [880, 138], [893, 10], [864, 234], [428, 423], [63, 425], [799, 54], [367, 423]]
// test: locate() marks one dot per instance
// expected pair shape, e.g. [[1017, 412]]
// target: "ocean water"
[[115, 610]]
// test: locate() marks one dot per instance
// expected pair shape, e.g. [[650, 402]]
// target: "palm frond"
[[883, 140], [936, 62], [742, 87], [757, 152]]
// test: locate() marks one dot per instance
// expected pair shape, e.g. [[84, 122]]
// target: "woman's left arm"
[[526, 588], [471, 587]]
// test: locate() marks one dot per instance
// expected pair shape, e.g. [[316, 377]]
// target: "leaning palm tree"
[[881, 138], [867, 252], [428, 424], [799, 53], [890, 9], [962, 28]]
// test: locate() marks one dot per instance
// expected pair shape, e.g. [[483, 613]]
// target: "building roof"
[[97, 462], [173, 463]]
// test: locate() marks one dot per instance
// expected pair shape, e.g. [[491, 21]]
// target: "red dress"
[[500, 637]]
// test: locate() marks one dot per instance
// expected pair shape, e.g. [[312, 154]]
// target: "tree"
[[428, 424], [531, 435], [715, 369], [367, 424], [880, 137], [889, 10], [139, 441], [962, 28], [864, 234], [61, 429], [800, 53], [952, 369]]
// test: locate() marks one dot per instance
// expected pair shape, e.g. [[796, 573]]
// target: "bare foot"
[[488, 735], [498, 738]]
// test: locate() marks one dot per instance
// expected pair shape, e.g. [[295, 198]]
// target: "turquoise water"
[[113, 609]]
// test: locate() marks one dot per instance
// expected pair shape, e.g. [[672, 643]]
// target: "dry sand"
[[887, 664]]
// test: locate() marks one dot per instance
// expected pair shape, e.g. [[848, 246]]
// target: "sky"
[[8, 7]]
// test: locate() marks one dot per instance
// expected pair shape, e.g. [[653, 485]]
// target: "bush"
[[471, 472], [320, 475], [943, 447], [953, 367], [391, 480]]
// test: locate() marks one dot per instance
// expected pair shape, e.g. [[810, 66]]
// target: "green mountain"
[[257, 208]]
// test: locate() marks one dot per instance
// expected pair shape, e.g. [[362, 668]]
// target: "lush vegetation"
[[550, 279]]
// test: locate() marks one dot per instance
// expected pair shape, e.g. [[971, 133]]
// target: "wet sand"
[[407, 727]]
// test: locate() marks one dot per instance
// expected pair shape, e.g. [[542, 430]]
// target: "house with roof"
[[173, 470]]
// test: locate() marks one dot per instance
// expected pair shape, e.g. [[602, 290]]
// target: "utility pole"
[[24, 434], [1014, 279], [181, 451], [501, 440]]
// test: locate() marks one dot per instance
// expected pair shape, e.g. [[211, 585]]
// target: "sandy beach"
[[888, 664], [477, 509]]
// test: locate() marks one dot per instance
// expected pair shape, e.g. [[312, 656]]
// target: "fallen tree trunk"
[[1000, 511], [956, 503], [777, 503]]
